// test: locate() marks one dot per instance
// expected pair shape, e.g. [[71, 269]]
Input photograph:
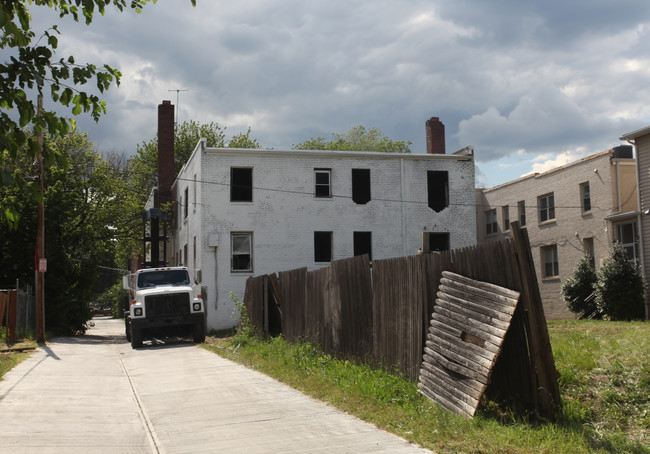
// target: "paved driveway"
[[96, 394]]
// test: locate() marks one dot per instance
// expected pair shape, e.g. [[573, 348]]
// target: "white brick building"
[[569, 211], [247, 212]]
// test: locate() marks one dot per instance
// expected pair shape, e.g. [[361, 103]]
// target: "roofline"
[[634, 134], [550, 171], [339, 154]]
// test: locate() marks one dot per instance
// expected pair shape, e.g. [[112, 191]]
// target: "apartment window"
[[505, 212], [242, 251], [491, 225], [241, 184], [434, 241], [438, 189], [322, 179], [361, 186], [322, 246], [588, 248], [363, 243], [187, 202], [585, 197], [521, 208], [194, 191], [627, 237], [546, 207], [194, 254], [549, 260]]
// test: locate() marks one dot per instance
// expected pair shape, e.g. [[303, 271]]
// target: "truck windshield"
[[163, 277]]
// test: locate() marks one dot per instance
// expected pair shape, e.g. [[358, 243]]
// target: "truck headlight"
[[137, 311], [196, 306]]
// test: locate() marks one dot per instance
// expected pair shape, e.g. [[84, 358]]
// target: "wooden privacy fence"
[[383, 313], [8, 300]]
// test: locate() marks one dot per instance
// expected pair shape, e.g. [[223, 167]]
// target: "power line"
[[417, 202]]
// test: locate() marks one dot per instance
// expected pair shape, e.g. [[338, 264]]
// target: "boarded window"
[[363, 243], [322, 179], [361, 186], [438, 189], [322, 246], [241, 184], [242, 255]]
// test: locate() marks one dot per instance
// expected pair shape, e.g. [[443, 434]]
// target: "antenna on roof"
[[178, 90]]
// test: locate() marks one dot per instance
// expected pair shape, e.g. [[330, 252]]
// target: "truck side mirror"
[[126, 282]]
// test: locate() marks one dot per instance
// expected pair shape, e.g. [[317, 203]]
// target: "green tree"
[[619, 289], [578, 290], [358, 138], [82, 203], [30, 65]]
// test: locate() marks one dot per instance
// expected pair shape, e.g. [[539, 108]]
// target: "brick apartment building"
[[244, 212], [576, 209]]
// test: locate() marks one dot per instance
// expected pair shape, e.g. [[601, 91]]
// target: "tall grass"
[[604, 382]]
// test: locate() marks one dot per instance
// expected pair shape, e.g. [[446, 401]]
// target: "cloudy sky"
[[529, 84]]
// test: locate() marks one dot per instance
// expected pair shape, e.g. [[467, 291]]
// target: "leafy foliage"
[[358, 138], [578, 290], [81, 204], [30, 65], [619, 289]]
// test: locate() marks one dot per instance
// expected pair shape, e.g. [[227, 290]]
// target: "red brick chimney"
[[435, 136], [165, 152]]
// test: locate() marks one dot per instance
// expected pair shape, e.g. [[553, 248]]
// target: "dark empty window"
[[363, 243], [187, 202], [434, 241], [322, 246], [241, 184], [322, 183], [521, 206], [585, 194], [361, 186], [438, 189]]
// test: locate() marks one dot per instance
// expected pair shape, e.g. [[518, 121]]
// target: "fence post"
[[541, 354], [11, 318]]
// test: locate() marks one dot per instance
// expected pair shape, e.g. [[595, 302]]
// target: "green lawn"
[[605, 386]]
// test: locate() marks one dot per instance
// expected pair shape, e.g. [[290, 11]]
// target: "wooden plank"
[[490, 312], [500, 303], [449, 404], [452, 351], [481, 286], [468, 311], [459, 360], [438, 334], [447, 364], [467, 385], [475, 329]]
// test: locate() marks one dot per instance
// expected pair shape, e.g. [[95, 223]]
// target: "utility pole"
[[40, 240], [177, 109]]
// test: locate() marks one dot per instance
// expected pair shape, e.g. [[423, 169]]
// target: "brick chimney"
[[165, 152], [435, 136]]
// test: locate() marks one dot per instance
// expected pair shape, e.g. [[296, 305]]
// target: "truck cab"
[[163, 299]]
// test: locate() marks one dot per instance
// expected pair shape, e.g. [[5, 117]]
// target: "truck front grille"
[[169, 304]]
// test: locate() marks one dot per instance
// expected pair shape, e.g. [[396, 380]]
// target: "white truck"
[[163, 299]]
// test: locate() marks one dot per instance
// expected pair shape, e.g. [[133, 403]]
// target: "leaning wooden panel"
[[463, 343]]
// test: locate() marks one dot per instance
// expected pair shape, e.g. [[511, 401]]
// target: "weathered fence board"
[[454, 352], [292, 294]]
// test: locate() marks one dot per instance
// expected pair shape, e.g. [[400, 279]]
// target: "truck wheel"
[[136, 338], [199, 332]]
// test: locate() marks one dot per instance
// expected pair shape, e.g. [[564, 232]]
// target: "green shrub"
[[578, 290], [619, 288]]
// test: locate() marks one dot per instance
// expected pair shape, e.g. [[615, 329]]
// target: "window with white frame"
[[322, 183], [585, 197], [241, 251], [521, 208], [491, 222], [546, 205], [549, 261], [505, 212]]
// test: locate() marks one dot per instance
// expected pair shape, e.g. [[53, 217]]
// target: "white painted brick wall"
[[284, 213]]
